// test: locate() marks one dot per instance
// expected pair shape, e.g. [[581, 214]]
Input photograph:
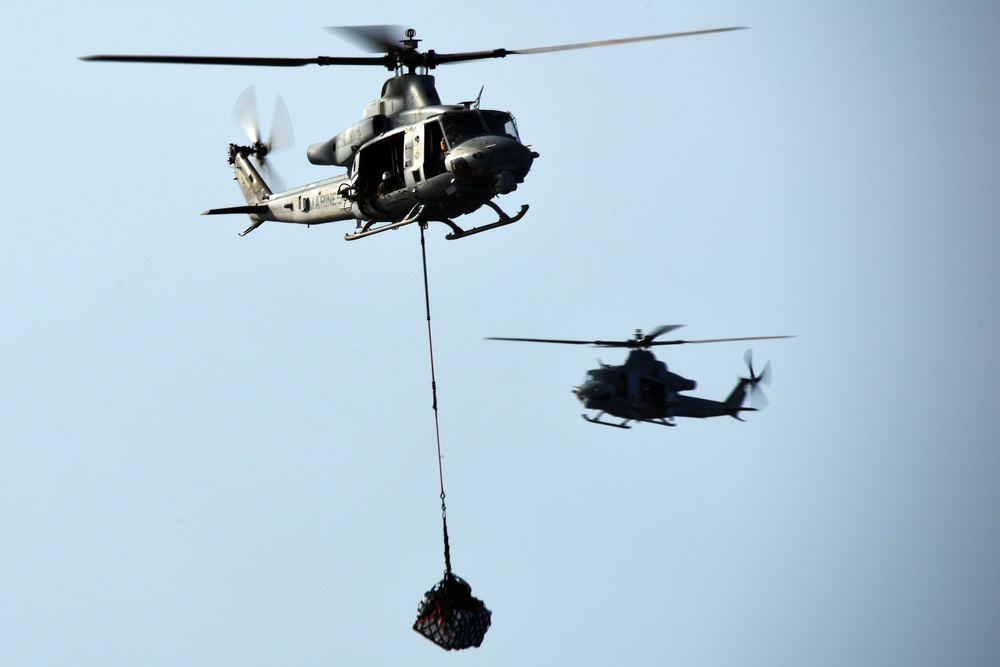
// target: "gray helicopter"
[[410, 159], [644, 390]]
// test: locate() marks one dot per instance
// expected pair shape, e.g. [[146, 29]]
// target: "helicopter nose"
[[501, 161], [504, 182], [591, 393]]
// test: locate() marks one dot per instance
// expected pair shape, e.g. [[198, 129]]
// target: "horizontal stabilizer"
[[246, 210]]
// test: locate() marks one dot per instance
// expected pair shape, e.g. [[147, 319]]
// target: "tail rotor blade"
[[758, 400], [765, 375], [245, 114], [271, 176], [281, 136]]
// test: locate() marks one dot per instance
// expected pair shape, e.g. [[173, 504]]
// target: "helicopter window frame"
[[460, 126], [501, 124], [434, 154]]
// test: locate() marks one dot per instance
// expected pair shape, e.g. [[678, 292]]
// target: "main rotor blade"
[[645, 342], [625, 40], [715, 340], [660, 330], [546, 340], [379, 38], [382, 61], [372, 38], [434, 59], [595, 343]]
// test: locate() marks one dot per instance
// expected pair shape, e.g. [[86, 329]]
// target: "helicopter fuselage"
[[643, 389], [406, 161]]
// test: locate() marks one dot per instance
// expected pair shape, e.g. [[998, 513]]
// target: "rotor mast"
[[408, 56]]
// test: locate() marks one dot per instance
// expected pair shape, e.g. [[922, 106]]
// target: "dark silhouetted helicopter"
[[644, 390]]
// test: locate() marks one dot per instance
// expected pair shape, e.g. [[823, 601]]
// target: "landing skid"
[[598, 420], [458, 233], [624, 424], [370, 228], [416, 214]]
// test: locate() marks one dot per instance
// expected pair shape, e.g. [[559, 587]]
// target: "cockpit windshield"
[[600, 375], [460, 126], [501, 124]]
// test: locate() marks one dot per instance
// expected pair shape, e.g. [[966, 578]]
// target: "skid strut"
[[624, 424], [598, 420], [417, 214]]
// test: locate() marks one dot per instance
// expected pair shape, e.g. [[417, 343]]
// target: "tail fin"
[[254, 188], [251, 182], [734, 402]]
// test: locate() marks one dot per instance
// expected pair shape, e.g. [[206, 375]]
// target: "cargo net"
[[450, 617]]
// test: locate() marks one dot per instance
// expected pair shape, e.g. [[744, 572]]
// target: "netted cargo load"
[[450, 616]]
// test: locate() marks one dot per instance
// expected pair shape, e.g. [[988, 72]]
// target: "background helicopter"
[[410, 159], [643, 389]]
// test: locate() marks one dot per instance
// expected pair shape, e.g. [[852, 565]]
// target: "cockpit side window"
[[436, 149]]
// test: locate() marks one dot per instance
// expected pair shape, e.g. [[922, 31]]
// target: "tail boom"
[[312, 204]]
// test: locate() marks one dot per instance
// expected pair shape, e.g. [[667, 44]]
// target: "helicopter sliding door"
[[381, 180], [652, 392], [380, 166]]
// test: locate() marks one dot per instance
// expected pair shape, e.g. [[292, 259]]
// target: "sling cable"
[[448, 614]]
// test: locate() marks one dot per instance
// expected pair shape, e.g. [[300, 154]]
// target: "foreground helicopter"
[[644, 390], [410, 159]]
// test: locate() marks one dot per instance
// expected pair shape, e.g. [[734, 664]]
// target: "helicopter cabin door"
[[382, 173], [652, 392]]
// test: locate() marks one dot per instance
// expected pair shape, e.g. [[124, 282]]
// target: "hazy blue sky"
[[220, 450]]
